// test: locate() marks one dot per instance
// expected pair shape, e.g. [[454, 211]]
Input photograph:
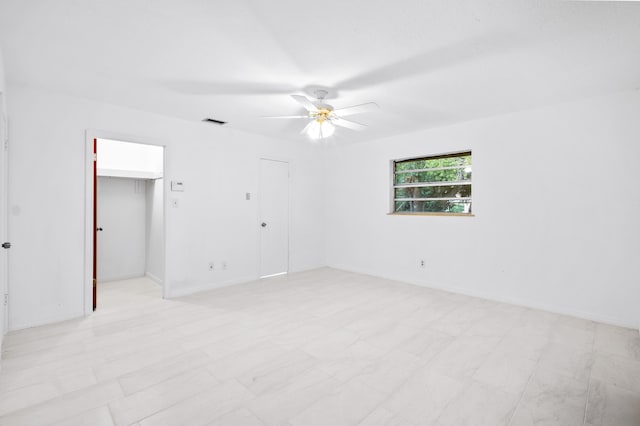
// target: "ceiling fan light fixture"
[[314, 130], [327, 129], [320, 129], [323, 117]]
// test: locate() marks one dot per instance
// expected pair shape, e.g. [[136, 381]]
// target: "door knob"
[[6, 245], [98, 229], [264, 225]]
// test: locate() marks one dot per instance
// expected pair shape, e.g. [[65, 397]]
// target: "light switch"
[[247, 196], [177, 186]]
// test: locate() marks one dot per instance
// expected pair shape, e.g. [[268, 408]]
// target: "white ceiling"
[[425, 63]]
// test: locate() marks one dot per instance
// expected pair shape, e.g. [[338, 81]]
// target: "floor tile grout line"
[[165, 379], [164, 408], [524, 389], [586, 405]]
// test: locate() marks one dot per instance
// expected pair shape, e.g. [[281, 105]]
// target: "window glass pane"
[[449, 175], [444, 206], [447, 191], [463, 159]]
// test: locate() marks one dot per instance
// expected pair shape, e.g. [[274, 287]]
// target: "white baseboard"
[[120, 277], [619, 322], [48, 321], [179, 289], [153, 278], [538, 306]]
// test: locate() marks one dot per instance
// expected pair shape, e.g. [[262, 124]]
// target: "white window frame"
[[394, 186]]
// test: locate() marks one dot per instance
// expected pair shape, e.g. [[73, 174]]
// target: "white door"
[[274, 217], [4, 276]]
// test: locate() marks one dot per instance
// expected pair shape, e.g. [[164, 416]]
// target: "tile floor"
[[323, 347]]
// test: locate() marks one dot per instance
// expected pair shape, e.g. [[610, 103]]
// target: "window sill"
[[430, 214]]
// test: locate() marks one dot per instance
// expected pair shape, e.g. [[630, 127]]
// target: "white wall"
[[556, 203], [154, 262], [213, 221], [122, 217], [126, 156]]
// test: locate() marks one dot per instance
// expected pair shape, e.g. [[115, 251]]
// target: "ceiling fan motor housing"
[[320, 94], [323, 107]]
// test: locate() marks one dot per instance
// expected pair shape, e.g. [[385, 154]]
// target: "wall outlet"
[[212, 266], [422, 263]]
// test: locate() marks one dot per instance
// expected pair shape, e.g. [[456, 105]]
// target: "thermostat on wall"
[[177, 186]]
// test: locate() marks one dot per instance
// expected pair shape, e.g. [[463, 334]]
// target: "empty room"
[[336, 213]]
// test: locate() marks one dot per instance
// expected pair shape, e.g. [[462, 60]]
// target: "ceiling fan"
[[323, 117]]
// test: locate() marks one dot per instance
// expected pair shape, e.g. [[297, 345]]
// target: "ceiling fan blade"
[[356, 109], [348, 124], [306, 103], [307, 127], [287, 116]]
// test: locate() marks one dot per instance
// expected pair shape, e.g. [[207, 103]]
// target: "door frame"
[[259, 213], [90, 135], [4, 226]]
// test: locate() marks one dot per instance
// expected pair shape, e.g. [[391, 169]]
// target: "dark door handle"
[[98, 229], [264, 225], [6, 245]]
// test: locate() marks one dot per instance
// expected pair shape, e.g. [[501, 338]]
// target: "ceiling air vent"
[[214, 121]]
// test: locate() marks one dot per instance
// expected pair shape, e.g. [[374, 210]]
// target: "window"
[[436, 184]]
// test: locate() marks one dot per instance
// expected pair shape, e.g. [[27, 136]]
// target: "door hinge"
[[95, 157], [6, 299]]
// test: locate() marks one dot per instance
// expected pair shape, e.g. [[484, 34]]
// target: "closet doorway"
[[128, 221]]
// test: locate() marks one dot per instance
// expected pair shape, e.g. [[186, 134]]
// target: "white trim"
[[153, 278], [441, 183], [122, 277], [132, 174], [274, 275], [4, 225], [441, 155], [88, 224], [432, 169], [435, 199], [48, 321], [187, 288]]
